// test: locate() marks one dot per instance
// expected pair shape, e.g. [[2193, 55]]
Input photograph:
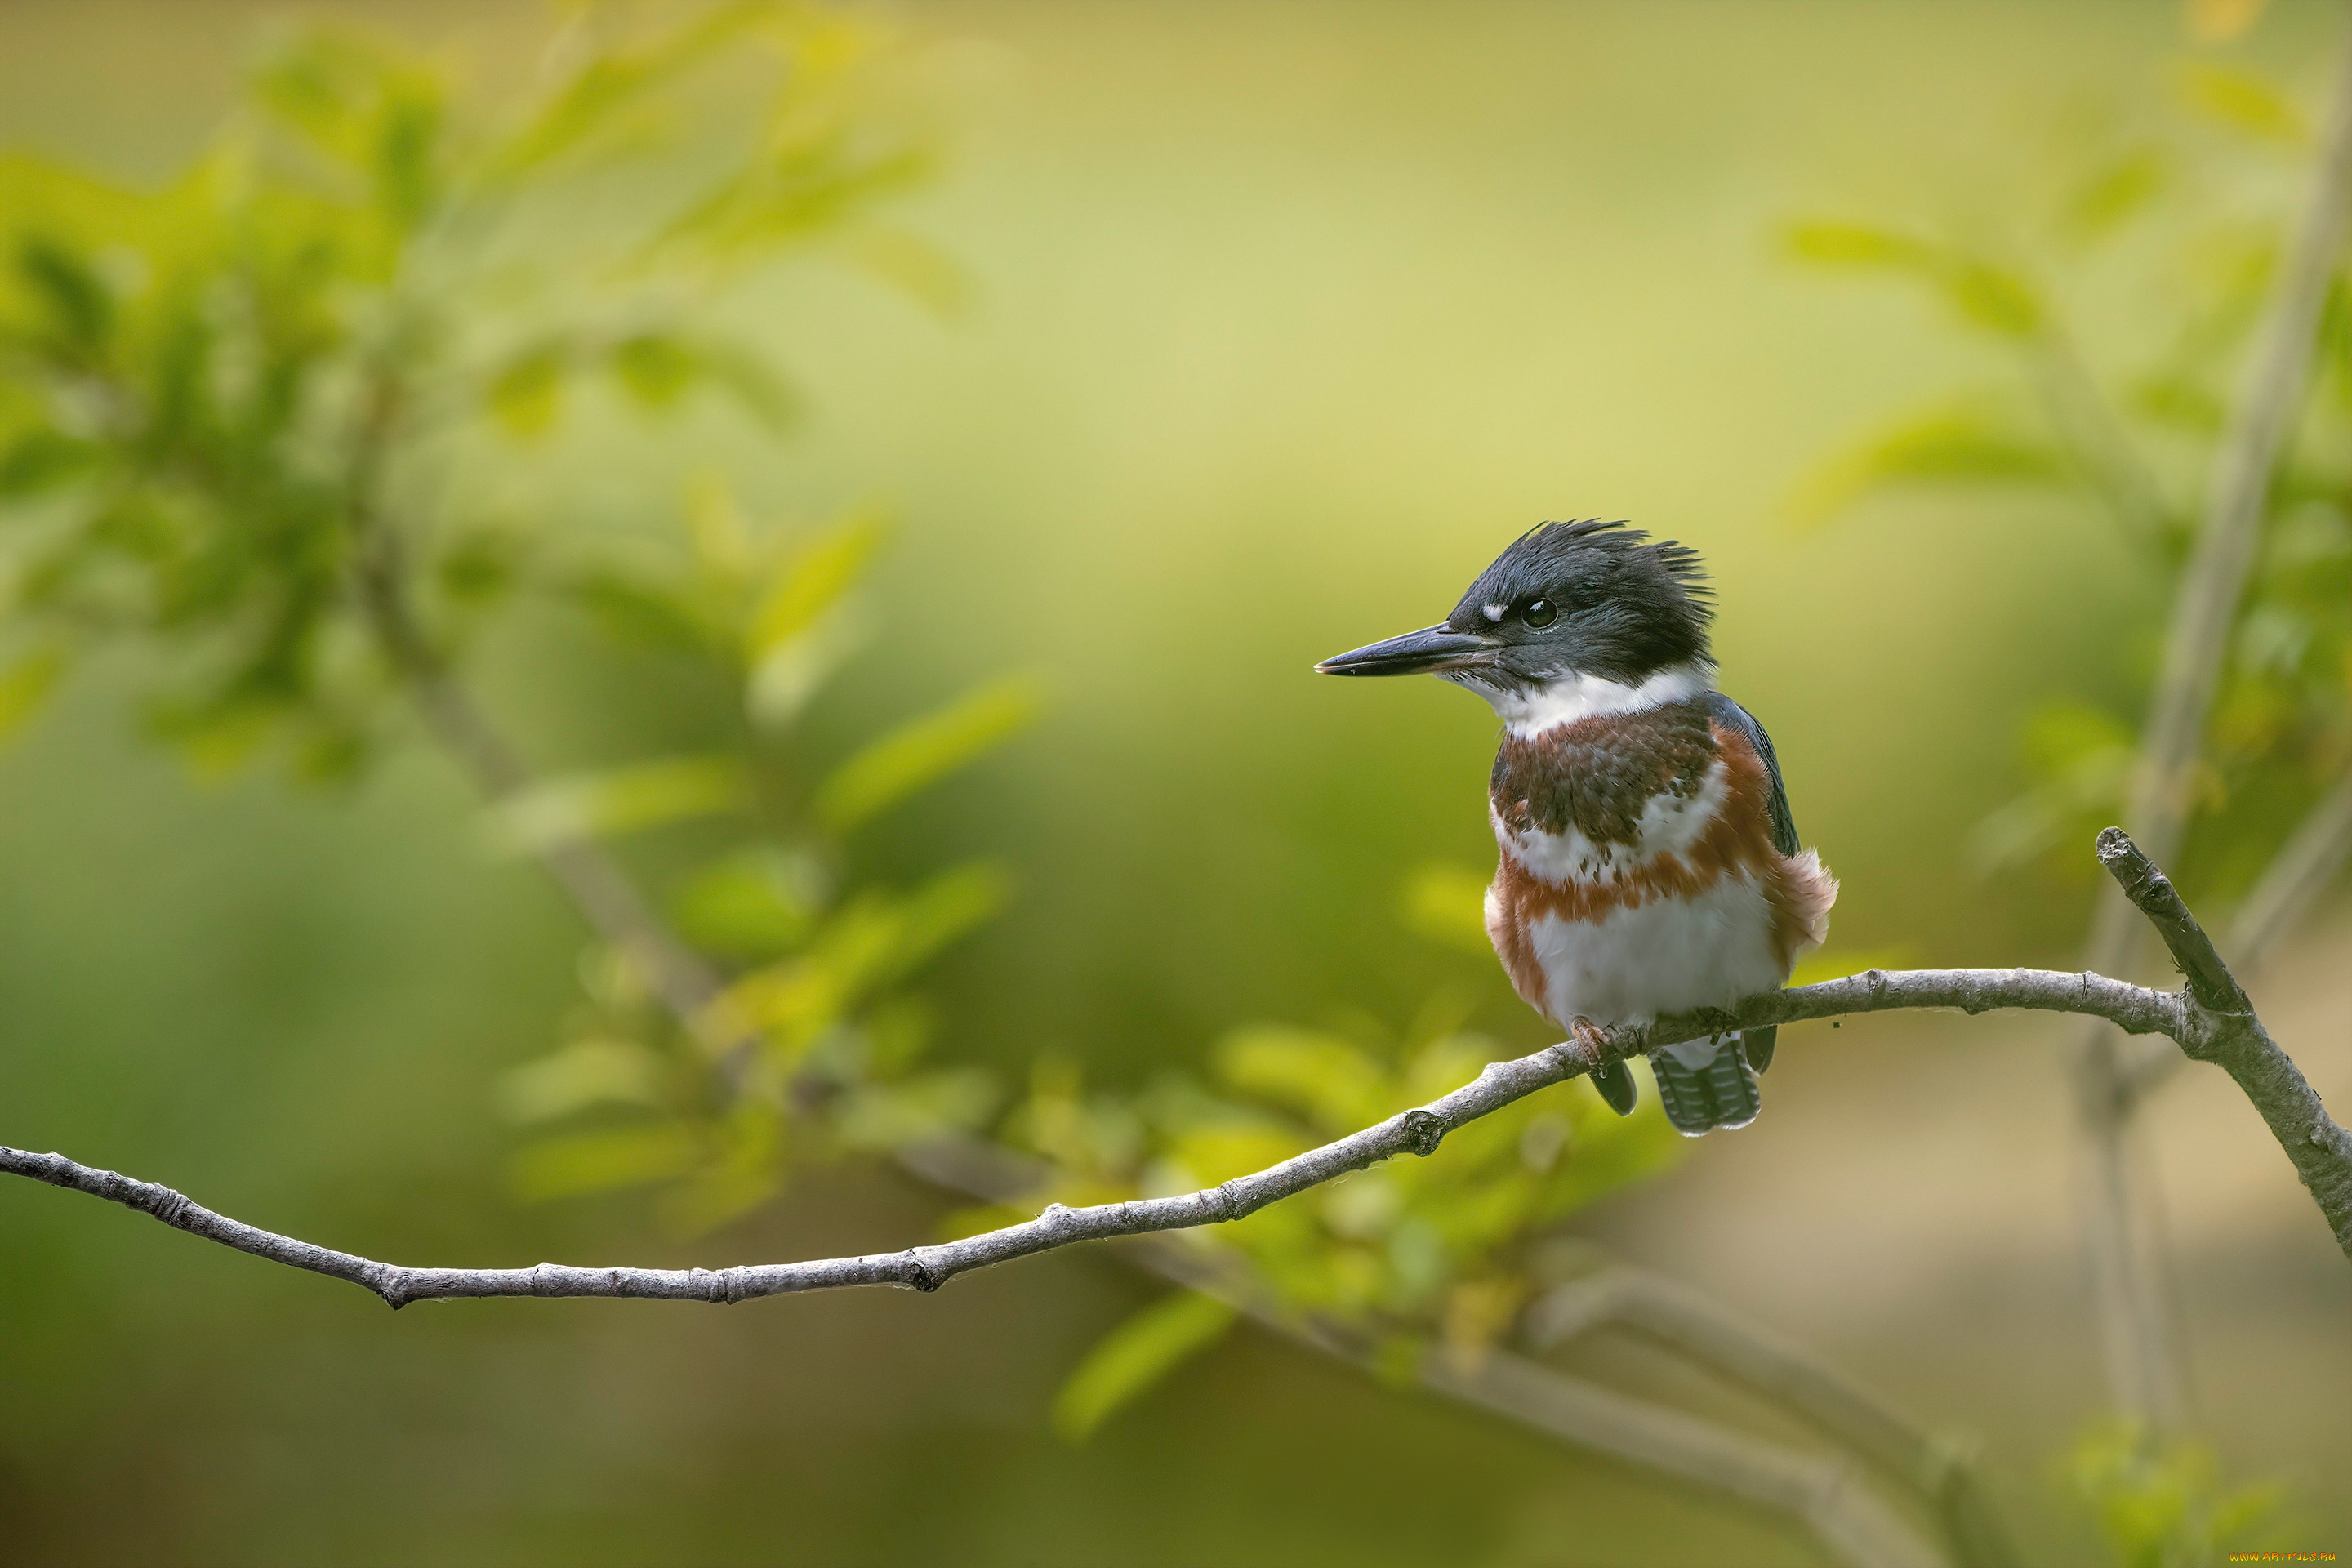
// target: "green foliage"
[[219, 397], [1135, 1357], [921, 752], [621, 800], [1416, 1254], [811, 1049], [2165, 1506], [224, 405], [1974, 443], [2123, 418]]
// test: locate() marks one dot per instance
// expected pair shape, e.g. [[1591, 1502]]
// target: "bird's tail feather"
[[1706, 1084]]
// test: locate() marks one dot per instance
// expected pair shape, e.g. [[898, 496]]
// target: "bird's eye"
[[1540, 613]]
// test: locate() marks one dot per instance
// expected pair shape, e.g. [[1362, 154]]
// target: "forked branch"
[[2211, 1019]]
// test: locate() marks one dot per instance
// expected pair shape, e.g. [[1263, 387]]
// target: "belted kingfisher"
[[1649, 860]]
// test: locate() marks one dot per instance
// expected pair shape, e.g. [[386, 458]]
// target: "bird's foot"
[[1589, 1035]]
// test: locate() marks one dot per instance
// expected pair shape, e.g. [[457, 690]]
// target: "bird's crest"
[[1601, 558]]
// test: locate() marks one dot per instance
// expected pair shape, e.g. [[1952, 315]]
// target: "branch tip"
[[2210, 984]]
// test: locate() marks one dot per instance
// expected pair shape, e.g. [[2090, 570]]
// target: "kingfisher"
[[1649, 861]]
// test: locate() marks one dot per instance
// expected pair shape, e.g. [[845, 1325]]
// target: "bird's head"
[[1574, 617]]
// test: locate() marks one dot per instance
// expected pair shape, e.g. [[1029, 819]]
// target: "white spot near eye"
[[1494, 612]]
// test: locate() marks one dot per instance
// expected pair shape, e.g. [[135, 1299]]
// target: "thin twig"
[[2221, 1028], [2289, 885], [2211, 1019], [1416, 1131]]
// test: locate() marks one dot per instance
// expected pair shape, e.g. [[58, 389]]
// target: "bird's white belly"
[[1661, 956]]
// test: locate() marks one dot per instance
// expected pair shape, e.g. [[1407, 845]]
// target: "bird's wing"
[[1732, 716]]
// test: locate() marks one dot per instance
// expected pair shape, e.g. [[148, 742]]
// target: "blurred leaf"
[[1985, 293], [1966, 444], [582, 1162], [944, 909], [717, 527], [1134, 1357], [2180, 402], [622, 800], [790, 675], [1448, 904], [1336, 1086], [583, 1073], [608, 82], [42, 459], [811, 582], [756, 903], [741, 1169], [526, 395], [1996, 297], [659, 369], [922, 752], [874, 941], [2242, 101], [655, 368], [24, 684], [635, 609], [2115, 193], [365, 108], [909, 263], [1828, 243], [80, 307], [2162, 1504]]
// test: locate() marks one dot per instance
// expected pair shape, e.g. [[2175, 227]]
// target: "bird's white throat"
[[1529, 710]]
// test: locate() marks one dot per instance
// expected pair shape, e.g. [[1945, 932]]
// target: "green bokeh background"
[[1285, 318]]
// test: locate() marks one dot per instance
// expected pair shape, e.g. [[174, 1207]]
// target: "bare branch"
[[2221, 1028], [2222, 1036], [2295, 878]]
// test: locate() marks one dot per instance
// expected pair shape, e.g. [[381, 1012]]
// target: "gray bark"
[[2211, 1019]]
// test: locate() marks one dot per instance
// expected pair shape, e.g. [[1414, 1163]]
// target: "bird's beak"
[[1431, 650]]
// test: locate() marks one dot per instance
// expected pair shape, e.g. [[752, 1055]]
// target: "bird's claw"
[[1588, 1033]]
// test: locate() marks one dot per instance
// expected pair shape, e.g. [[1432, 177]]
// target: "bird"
[[1648, 860]]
